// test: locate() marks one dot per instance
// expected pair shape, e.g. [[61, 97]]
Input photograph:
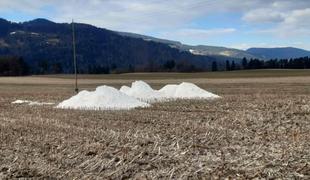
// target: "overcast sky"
[[232, 23]]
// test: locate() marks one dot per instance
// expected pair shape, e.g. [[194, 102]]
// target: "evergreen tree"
[[43, 66], [233, 66], [169, 65], [228, 68], [214, 66], [57, 68], [244, 63], [13, 66]]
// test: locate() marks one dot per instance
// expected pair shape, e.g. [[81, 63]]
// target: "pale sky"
[[231, 23]]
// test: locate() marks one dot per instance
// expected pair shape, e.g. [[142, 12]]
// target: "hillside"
[[197, 50], [47, 48], [251, 53], [280, 53]]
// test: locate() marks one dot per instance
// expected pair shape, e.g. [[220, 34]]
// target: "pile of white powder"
[[142, 91], [103, 98], [140, 94]]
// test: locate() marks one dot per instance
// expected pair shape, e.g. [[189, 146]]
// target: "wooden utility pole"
[[74, 58]]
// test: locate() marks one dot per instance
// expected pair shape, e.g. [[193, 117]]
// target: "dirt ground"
[[259, 129]]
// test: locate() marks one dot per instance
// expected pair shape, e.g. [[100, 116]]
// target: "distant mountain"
[[197, 50], [280, 53], [47, 48], [149, 38], [221, 51]]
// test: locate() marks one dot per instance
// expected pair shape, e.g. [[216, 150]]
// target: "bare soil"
[[259, 129]]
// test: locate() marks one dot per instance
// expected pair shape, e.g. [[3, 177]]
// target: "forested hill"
[[46, 47], [279, 53]]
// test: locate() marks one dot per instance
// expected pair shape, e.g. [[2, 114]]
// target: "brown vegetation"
[[258, 129]]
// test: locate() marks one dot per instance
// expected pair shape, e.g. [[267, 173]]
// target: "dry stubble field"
[[259, 129]]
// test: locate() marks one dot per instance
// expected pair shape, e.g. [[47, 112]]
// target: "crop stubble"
[[256, 130]]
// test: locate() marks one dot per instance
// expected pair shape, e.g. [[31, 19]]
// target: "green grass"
[[222, 74]]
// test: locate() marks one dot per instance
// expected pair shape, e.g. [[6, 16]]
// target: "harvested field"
[[259, 129]]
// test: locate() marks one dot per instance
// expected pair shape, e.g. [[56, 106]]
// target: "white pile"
[[32, 103], [187, 91], [103, 98], [138, 95], [144, 92]]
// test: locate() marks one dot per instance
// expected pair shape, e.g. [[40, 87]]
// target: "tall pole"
[[74, 57]]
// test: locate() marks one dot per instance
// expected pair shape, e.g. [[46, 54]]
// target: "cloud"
[[28, 6], [132, 15], [198, 35], [294, 24], [153, 15], [174, 19], [275, 11], [203, 33], [298, 19], [263, 16]]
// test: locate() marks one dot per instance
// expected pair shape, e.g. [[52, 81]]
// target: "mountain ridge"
[[224, 51], [196, 49], [279, 52], [46, 45]]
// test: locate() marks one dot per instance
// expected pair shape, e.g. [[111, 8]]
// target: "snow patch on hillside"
[[195, 52]]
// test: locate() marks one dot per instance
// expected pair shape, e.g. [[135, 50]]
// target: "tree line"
[[13, 66], [167, 66], [246, 64], [296, 63], [16, 66]]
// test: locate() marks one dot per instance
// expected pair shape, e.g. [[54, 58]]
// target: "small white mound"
[[21, 102], [124, 89], [169, 90], [142, 91], [191, 91], [32, 103], [103, 98], [186, 91]]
